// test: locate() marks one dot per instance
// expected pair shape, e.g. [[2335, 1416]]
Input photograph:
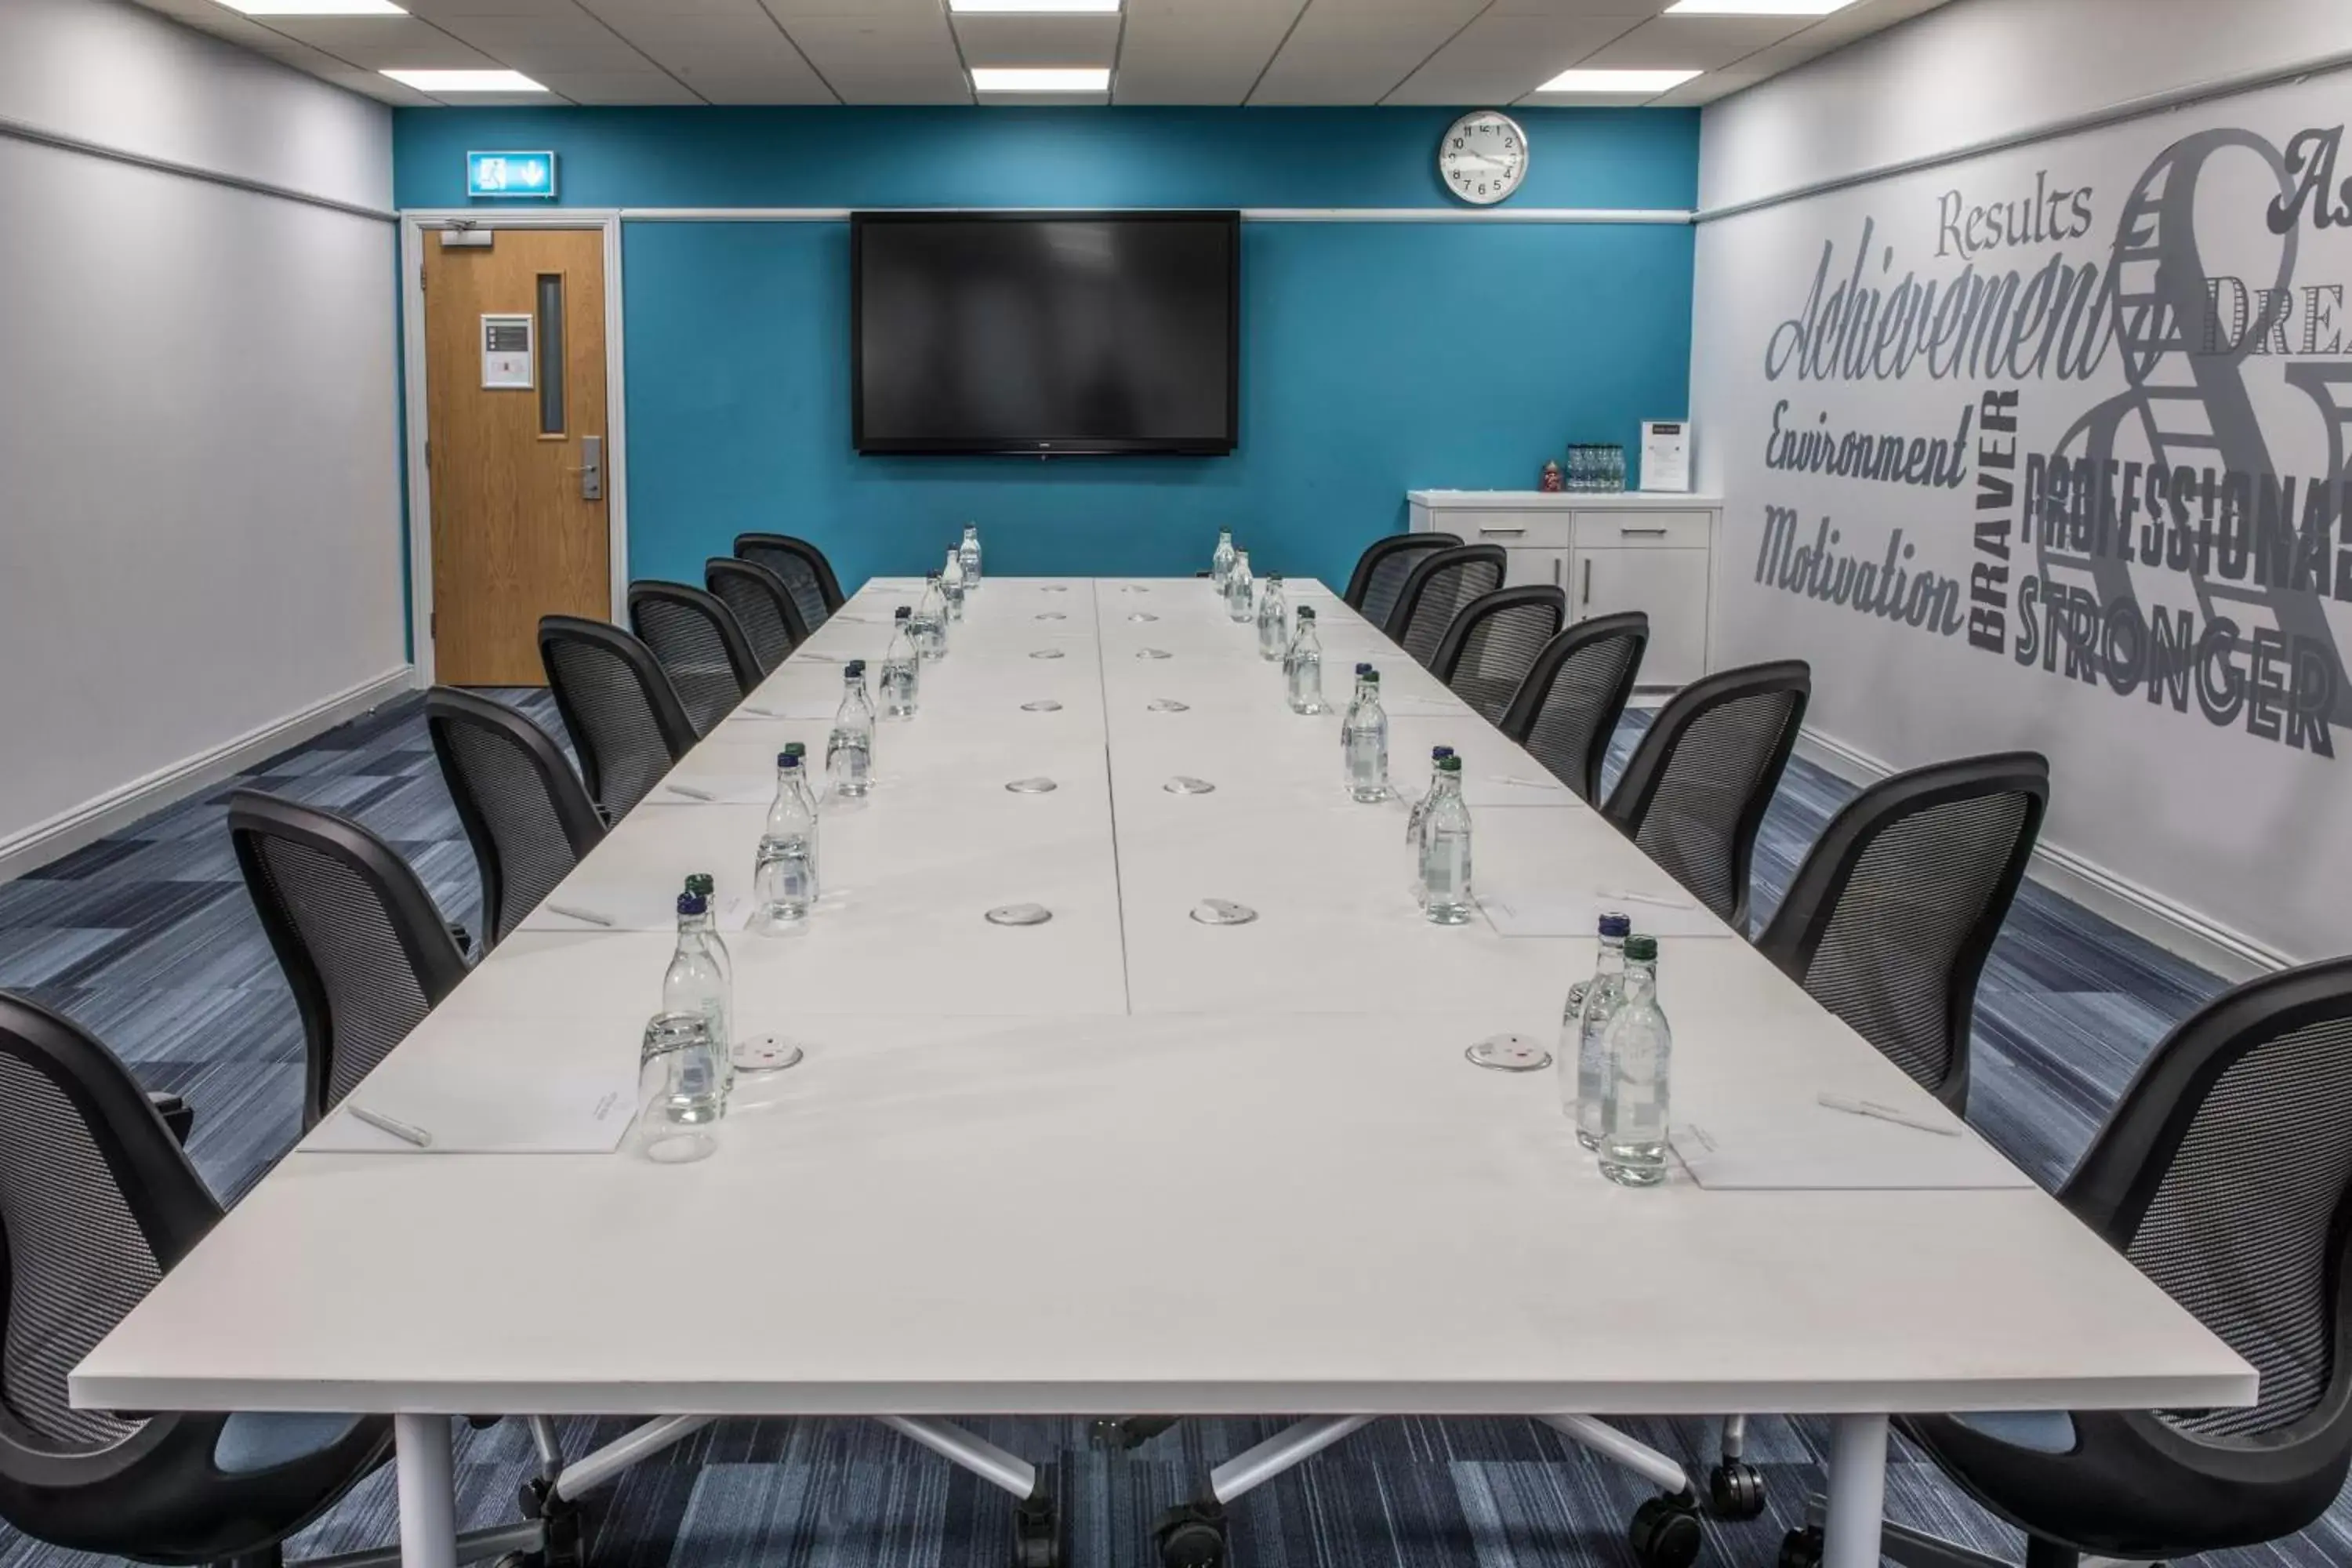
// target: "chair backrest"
[[360, 941], [1697, 786], [1889, 918], [762, 605], [802, 566], [625, 719], [1566, 711], [1494, 642], [98, 1202], [2225, 1174], [701, 649], [526, 813], [1442, 586], [1382, 569]]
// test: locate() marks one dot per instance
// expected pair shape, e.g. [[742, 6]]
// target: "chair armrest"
[[177, 1114]]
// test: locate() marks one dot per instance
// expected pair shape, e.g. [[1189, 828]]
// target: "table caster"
[[1129, 1432], [1665, 1531], [1192, 1535], [1802, 1548], [1036, 1532], [1735, 1489]]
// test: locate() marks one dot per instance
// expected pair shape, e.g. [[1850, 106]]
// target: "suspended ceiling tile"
[[376, 85], [789, 11], [1703, 43], [720, 84], [731, 59], [1708, 88], [876, 61], [993, 40], [1501, 58], [638, 87], [378, 43], [534, 46], [1359, 51], [1198, 51]]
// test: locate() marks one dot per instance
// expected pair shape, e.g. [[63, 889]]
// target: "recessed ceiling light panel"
[[1632, 83], [1041, 78], [465, 80]]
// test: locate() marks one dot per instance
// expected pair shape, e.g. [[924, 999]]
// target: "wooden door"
[[518, 472]]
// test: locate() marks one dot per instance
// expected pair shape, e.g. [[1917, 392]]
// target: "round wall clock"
[[1482, 157]]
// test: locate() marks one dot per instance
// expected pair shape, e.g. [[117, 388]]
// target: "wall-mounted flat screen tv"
[[1046, 335]]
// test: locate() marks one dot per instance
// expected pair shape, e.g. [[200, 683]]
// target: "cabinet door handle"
[[1587, 595], [1558, 566], [1483, 529], [1642, 532]]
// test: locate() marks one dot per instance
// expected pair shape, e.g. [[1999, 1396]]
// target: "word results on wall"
[[2103, 435]]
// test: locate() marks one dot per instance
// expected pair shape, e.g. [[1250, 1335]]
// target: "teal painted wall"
[[1375, 357]]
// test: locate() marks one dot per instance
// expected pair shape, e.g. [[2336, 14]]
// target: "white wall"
[[2218, 838], [199, 499]]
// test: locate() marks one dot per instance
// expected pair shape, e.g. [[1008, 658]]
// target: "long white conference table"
[[1396, 1230]]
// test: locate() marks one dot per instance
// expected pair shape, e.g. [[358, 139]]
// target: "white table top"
[[1124, 1161]]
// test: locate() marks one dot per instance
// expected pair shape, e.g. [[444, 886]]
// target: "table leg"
[[1857, 1500], [428, 1492]]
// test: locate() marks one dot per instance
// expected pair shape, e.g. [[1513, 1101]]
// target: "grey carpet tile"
[[148, 937], [34, 955]]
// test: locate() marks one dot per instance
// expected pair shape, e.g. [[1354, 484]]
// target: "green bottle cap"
[[701, 882], [1642, 949], [795, 749], [1449, 764]]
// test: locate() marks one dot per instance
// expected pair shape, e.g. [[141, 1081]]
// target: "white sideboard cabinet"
[[1609, 552]]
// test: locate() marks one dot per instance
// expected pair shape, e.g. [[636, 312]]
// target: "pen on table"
[[573, 912], [1877, 1112], [1658, 901], [402, 1131], [1525, 783], [690, 792]]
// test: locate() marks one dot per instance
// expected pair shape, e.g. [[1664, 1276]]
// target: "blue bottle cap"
[[1362, 669], [902, 612], [788, 759], [1439, 753], [1616, 925], [855, 667], [691, 904]]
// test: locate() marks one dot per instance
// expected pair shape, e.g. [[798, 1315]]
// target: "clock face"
[[1484, 157]]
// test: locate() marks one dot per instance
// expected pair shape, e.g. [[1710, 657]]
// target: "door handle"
[[1483, 530], [1586, 597], [1642, 532], [592, 468], [1558, 567]]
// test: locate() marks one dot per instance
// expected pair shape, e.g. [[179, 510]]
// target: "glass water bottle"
[[1222, 561], [1583, 1061], [1302, 667], [849, 750], [1641, 1048], [969, 551], [1273, 620], [1445, 850], [1241, 603]]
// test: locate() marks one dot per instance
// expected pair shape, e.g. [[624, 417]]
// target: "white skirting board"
[[2140, 911], [92, 820]]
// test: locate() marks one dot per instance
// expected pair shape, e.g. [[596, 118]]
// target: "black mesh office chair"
[[2225, 1175], [1696, 789], [626, 725], [1442, 586], [803, 569], [701, 649], [1566, 711], [1890, 918], [359, 939], [1382, 570], [526, 813], [99, 1202], [1493, 643], [762, 605]]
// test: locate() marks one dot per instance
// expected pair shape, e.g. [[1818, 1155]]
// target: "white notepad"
[[1805, 1147], [720, 790], [1575, 913], [640, 909], [553, 1088]]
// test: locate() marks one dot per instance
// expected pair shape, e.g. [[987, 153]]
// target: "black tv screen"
[[1044, 334]]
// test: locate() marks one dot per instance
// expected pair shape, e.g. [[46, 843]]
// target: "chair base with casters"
[[1899, 1544], [1664, 1531]]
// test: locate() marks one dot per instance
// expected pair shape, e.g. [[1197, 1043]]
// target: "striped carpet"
[[147, 938]]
